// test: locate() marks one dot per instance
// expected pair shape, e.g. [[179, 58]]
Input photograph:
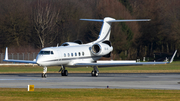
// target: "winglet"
[[173, 57], [6, 54]]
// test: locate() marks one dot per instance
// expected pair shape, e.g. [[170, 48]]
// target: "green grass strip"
[[21, 94]]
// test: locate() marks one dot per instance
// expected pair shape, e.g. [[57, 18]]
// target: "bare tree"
[[44, 18], [14, 23]]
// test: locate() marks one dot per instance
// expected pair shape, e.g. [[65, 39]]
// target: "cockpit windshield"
[[46, 52]]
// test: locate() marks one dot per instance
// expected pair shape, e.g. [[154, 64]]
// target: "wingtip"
[[6, 54]]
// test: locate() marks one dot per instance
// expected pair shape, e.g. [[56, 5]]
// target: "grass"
[[21, 94], [167, 68]]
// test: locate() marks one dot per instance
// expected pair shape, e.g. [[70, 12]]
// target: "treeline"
[[29, 25]]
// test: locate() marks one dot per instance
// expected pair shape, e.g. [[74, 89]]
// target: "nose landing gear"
[[44, 75]]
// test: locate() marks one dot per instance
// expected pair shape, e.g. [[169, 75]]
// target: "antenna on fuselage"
[[57, 44]]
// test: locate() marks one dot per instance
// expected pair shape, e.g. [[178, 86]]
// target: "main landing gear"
[[44, 75], [63, 71], [95, 71]]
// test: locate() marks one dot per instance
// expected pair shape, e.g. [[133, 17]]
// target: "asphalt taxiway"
[[84, 80]]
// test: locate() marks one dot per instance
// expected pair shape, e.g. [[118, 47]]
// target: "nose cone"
[[39, 60]]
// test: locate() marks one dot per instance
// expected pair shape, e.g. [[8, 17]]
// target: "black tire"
[[62, 73], [45, 75], [65, 73], [96, 74], [93, 73]]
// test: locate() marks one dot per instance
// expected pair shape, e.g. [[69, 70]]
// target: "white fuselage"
[[78, 53], [66, 55]]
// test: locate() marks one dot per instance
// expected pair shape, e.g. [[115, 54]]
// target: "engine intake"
[[96, 48], [100, 49]]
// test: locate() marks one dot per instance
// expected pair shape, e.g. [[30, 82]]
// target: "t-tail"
[[106, 27]]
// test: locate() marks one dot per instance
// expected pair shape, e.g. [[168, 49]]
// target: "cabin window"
[[52, 52], [79, 54], [64, 54], [44, 52], [68, 55], [75, 54], [71, 54], [83, 53], [65, 44]]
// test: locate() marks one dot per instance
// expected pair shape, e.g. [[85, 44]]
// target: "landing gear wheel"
[[44, 75], [94, 73], [63, 70], [64, 73]]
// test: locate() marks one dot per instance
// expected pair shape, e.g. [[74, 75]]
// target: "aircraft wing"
[[19, 61], [130, 63], [119, 64]]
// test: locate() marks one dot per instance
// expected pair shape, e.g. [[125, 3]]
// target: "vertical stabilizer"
[[105, 30], [106, 27]]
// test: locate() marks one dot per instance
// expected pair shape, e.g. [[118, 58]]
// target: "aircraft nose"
[[38, 61]]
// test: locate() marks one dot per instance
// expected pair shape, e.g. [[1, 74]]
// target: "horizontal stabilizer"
[[130, 20], [98, 20], [114, 20]]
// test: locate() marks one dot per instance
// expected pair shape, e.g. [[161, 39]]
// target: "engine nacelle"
[[100, 49]]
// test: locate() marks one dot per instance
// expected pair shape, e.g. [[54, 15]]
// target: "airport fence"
[[19, 56]]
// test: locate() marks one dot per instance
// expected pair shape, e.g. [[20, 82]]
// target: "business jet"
[[78, 54]]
